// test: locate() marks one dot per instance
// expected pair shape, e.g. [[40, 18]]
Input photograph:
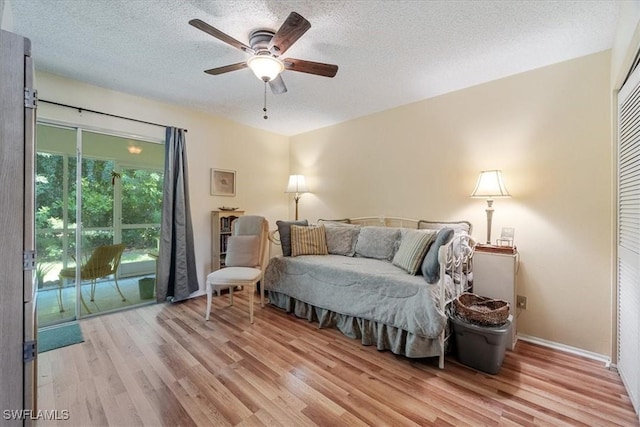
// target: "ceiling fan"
[[266, 47]]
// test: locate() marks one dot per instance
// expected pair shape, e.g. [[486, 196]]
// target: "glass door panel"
[[121, 205], [141, 211], [55, 223], [97, 229]]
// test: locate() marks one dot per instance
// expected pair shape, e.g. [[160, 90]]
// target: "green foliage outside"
[[141, 200]]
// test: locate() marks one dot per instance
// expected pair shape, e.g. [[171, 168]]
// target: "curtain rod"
[[81, 109]]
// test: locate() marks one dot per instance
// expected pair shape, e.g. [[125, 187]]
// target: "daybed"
[[359, 275]]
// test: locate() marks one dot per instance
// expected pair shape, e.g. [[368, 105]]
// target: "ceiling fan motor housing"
[[259, 40]]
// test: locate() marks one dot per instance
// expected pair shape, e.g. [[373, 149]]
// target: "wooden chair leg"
[[262, 293], [209, 296], [231, 295], [252, 290]]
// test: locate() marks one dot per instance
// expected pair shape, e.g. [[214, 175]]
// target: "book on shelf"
[[224, 240], [225, 223]]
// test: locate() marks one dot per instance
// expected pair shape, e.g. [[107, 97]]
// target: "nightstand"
[[494, 276]]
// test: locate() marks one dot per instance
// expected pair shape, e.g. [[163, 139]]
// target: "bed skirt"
[[369, 332]]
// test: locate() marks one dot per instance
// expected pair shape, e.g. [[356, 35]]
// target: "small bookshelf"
[[221, 222]]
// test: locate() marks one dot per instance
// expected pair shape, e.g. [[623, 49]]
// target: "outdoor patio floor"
[[106, 299]]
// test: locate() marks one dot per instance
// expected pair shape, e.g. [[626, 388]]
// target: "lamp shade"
[[490, 185], [265, 67], [297, 184]]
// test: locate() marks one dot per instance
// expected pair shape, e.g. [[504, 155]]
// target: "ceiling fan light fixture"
[[265, 67]]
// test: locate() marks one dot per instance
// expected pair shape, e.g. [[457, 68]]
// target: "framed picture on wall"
[[223, 182]]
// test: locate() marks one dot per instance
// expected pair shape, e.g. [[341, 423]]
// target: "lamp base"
[[489, 212], [297, 199]]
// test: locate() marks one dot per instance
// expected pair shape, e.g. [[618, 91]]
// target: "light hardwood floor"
[[164, 365]]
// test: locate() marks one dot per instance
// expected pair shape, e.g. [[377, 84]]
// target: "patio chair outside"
[[104, 261]]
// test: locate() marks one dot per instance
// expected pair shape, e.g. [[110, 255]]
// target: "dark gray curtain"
[[177, 276]]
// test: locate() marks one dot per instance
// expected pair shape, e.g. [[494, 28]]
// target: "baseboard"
[[606, 360], [198, 293]]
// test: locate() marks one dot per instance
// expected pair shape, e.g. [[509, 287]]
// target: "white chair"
[[246, 258]]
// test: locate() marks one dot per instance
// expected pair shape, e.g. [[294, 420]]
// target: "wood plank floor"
[[163, 365]]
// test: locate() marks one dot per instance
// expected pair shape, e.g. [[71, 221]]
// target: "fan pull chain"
[[265, 102]]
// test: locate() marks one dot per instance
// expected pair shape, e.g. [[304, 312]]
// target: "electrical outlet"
[[522, 302]]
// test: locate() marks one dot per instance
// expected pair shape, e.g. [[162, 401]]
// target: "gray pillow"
[[243, 251], [430, 265], [284, 230], [377, 242], [341, 240]]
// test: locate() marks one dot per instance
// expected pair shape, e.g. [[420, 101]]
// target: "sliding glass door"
[[110, 264], [55, 221]]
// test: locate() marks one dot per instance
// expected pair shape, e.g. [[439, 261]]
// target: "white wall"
[[261, 159], [548, 130]]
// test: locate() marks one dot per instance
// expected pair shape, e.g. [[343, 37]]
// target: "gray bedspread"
[[362, 288]]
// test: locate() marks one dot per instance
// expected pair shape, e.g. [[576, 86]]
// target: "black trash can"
[[481, 347]]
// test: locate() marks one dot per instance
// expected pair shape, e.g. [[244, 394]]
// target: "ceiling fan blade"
[[291, 30], [201, 25], [277, 85], [226, 68], [317, 68]]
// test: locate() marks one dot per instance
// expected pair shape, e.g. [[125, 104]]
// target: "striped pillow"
[[308, 240], [413, 248]]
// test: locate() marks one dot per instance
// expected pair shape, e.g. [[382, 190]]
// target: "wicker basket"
[[481, 310]]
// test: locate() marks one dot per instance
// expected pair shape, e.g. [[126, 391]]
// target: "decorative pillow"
[[341, 239], [284, 230], [243, 251], [377, 242], [413, 248], [308, 240], [430, 265]]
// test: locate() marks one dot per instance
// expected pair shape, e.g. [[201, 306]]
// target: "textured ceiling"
[[390, 53]]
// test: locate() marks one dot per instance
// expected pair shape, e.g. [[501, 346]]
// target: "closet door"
[[629, 235]]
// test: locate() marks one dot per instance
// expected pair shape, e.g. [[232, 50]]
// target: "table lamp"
[[297, 185], [489, 186]]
